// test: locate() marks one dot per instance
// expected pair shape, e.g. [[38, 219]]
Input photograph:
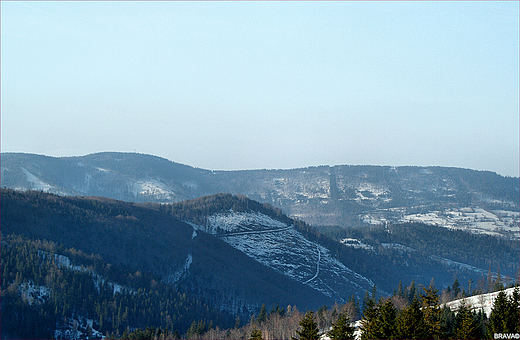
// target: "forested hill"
[[210, 259], [194, 275], [385, 254], [342, 195]]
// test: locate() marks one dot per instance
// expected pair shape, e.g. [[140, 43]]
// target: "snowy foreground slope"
[[283, 248], [477, 302]]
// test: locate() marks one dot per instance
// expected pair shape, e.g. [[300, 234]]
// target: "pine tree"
[[505, 314], [411, 323], [341, 329], [256, 334], [262, 315], [412, 291], [514, 312], [369, 320], [386, 322], [481, 322], [431, 311], [466, 326], [497, 319], [309, 327], [456, 288], [400, 290], [447, 323]]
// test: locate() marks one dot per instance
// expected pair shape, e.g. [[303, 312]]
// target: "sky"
[[265, 85]]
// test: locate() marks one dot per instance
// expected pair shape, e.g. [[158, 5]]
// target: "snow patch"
[[64, 261], [190, 185], [179, 274], [242, 221], [370, 191], [397, 246], [356, 244], [33, 294], [374, 219], [77, 327], [37, 184], [102, 170], [150, 188]]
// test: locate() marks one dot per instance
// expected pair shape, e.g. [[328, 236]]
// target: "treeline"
[[279, 323], [41, 291], [414, 315], [196, 210], [423, 318]]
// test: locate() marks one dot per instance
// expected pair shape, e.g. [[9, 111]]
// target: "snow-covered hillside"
[[476, 220], [477, 302], [286, 250]]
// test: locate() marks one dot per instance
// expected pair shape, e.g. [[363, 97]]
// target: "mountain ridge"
[[341, 195]]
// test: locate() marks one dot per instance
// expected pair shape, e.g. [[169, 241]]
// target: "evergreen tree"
[[309, 327], [513, 322], [497, 322], [466, 326], [456, 288], [262, 315], [400, 290], [366, 301], [412, 291], [505, 315], [256, 334], [431, 311], [369, 320], [447, 323], [411, 323], [341, 329], [386, 322], [481, 321]]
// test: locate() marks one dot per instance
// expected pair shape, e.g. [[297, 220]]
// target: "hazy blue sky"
[[247, 85]]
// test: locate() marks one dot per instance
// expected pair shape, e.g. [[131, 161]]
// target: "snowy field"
[[154, 188], [475, 220]]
